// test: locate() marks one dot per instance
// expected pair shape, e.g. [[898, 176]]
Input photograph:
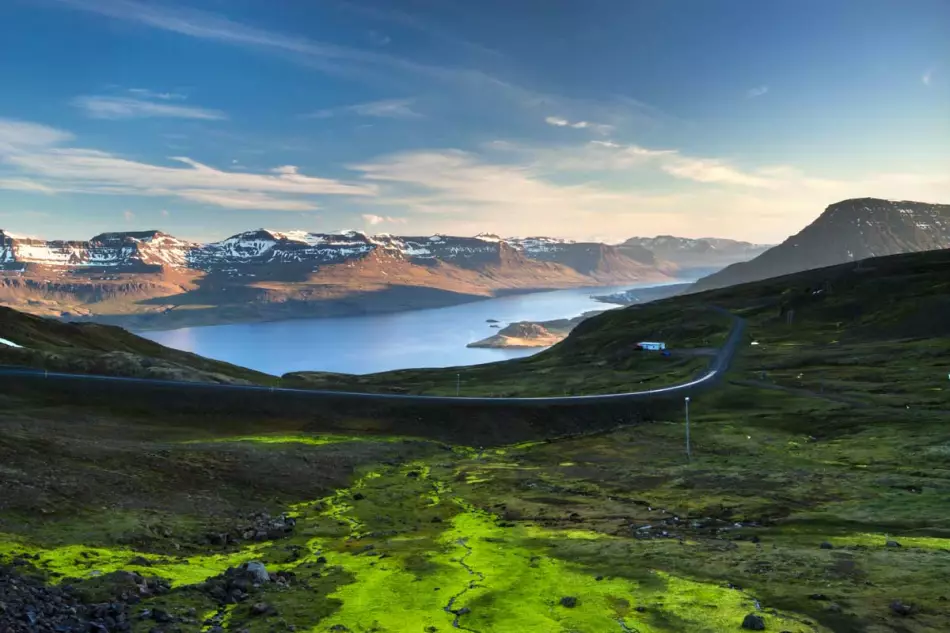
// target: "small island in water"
[[532, 333]]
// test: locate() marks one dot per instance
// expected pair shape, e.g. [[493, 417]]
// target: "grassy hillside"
[[107, 350]]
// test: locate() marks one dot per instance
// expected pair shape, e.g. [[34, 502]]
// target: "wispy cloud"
[[408, 20], [385, 109], [107, 107], [927, 77], [215, 27], [24, 184], [376, 65], [600, 128], [758, 91], [373, 219], [612, 156], [128, 215], [461, 192], [145, 93], [37, 154]]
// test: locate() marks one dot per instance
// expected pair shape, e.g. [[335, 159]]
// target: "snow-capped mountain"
[[154, 249], [847, 231], [684, 252], [126, 251]]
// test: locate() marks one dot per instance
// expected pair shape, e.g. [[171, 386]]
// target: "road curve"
[[717, 368]]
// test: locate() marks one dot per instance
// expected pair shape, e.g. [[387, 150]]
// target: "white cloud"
[[244, 200], [214, 27], [386, 109], [165, 213], [927, 77], [106, 107], [458, 192], [758, 91], [24, 184], [145, 93], [600, 128], [373, 219], [31, 153], [15, 133], [128, 215]]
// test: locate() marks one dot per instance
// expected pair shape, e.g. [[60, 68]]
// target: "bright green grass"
[[311, 440], [77, 561], [509, 578]]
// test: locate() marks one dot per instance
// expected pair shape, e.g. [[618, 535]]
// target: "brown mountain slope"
[[152, 280], [850, 230]]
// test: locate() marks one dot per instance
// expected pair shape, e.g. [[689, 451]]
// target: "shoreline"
[[148, 322]]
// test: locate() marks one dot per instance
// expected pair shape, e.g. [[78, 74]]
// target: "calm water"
[[368, 344]]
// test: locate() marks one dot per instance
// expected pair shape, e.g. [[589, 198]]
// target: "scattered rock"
[[569, 601], [753, 622], [892, 544], [462, 611], [339, 628], [826, 545], [359, 496], [28, 604], [256, 571], [902, 609], [818, 596], [641, 609], [413, 474], [161, 615], [262, 608]]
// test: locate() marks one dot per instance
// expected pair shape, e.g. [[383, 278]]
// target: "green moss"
[[78, 561], [311, 440]]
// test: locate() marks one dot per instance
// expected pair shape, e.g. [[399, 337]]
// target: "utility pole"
[[458, 384], [689, 456]]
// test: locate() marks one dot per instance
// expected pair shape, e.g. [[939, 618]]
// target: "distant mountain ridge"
[[150, 279], [684, 252], [849, 230], [149, 250]]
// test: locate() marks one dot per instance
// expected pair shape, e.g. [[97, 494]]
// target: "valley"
[[813, 500]]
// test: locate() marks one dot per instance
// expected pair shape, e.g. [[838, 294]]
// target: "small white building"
[[651, 345]]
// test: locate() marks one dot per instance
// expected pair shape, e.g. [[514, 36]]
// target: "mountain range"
[[152, 279], [850, 230], [691, 253]]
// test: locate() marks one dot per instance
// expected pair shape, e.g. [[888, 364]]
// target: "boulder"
[[256, 571], [753, 622]]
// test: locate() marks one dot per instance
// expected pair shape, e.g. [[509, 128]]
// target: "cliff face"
[[850, 230]]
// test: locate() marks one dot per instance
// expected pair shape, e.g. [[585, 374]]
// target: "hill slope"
[[850, 230], [33, 341]]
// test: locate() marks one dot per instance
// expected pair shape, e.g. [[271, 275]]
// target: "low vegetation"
[[91, 348], [805, 506]]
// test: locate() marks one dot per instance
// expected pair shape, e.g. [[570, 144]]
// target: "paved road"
[[719, 365]]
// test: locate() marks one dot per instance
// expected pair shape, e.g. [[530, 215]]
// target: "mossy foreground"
[[404, 550], [785, 512]]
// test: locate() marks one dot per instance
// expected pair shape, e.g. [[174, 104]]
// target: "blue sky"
[[594, 119]]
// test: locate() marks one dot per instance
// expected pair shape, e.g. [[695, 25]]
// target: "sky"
[[582, 119]]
